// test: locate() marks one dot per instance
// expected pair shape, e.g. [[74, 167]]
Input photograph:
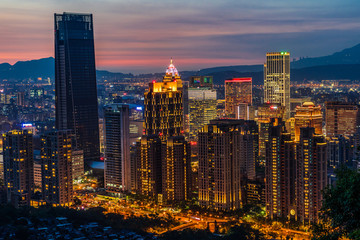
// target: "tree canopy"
[[340, 215]]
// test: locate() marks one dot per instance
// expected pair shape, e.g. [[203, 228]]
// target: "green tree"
[[341, 208]]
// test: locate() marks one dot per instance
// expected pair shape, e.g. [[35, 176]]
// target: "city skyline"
[[134, 37]]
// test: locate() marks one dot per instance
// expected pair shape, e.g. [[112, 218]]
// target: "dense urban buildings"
[[75, 81], [201, 104], [57, 172], [311, 174], [226, 159], [18, 167], [277, 79], [341, 118], [238, 91], [308, 115], [117, 148]]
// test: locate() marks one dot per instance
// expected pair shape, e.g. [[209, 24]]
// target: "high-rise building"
[[237, 91], [149, 169], [117, 148], [266, 112], [311, 176], [37, 173], [341, 151], [18, 167], [20, 98], [164, 115], [280, 172], [202, 109], [77, 159], [75, 81], [176, 169], [341, 118], [277, 79], [308, 115], [57, 181], [226, 159]]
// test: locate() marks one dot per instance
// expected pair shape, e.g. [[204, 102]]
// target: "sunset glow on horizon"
[[142, 35]]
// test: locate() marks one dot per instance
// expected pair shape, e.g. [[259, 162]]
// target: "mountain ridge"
[[312, 68]]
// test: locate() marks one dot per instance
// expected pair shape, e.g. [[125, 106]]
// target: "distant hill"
[[44, 67], [239, 68], [341, 65], [346, 56], [328, 72], [28, 69]]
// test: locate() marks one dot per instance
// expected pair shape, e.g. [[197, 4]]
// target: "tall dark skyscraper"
[[75, 81]]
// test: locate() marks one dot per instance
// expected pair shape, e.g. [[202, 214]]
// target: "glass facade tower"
[[75, 81]]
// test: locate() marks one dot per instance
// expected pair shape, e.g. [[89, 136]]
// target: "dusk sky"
[[141, 36]]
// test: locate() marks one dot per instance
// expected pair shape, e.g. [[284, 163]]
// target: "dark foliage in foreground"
[[238, 232], [341, 208]]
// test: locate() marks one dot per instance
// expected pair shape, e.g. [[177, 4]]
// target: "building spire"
[[171, 70]]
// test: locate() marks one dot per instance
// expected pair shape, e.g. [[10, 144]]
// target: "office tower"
[[134, 161], [1, 166], [101, 136], [308, 115], [57, 181], [75, 81], [37, 173], [311, 177], [280, 172], [117, 148], [277, 79], [149, 173], [164, 106], [220, 108], [77, 160], [290, 127], [341, 118], [237, 91], [18, 167], [226, 158], [266, 112], [201, 82], [176, 169], [136, 130], [20, 98], [202, 108]]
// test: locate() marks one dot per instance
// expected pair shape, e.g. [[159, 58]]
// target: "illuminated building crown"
[[171, 70]]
